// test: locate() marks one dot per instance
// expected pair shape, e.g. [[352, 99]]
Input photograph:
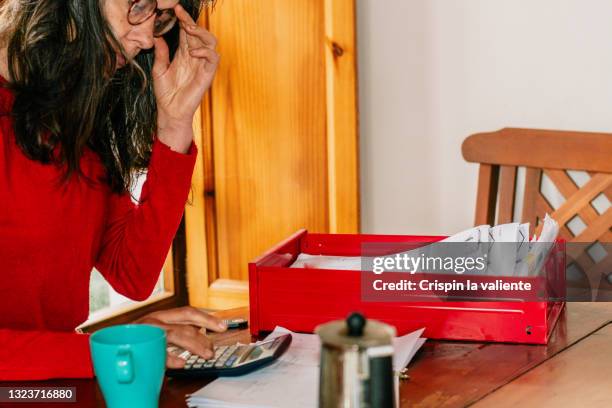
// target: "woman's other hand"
[[180, 84], [183, 328]]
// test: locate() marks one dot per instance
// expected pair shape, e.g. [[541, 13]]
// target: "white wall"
[[432, 72]]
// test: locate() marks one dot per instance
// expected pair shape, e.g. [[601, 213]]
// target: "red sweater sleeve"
[[134, 245], [41, 355], [138, 237]]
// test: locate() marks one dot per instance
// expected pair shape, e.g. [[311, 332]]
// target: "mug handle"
[[124, 366]]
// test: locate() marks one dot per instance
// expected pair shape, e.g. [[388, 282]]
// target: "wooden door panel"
[[269, 126], [277, 136]]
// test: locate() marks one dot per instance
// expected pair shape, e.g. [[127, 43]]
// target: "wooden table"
[[574, 369]]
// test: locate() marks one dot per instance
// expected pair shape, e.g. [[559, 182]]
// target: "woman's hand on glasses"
[[180, 84]]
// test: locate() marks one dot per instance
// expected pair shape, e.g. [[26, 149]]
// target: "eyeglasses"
[[141, 10]]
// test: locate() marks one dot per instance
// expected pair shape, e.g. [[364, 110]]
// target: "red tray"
[[300, 299]]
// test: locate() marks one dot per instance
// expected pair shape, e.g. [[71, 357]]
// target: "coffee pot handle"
[[382, 385]]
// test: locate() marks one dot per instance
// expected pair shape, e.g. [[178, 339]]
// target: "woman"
[[91, 93]]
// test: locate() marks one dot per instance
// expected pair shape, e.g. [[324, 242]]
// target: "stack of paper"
[[522, 257], [348, 263], [291, 381]]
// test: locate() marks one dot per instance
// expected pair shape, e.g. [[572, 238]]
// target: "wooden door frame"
[[343, 169], [342, 116]]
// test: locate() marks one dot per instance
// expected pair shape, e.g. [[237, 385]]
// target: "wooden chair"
[[552, 159]]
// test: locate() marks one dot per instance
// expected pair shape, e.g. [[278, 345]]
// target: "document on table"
[[292, 380]]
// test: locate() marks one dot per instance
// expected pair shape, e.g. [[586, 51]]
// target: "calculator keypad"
[[229, 360], [225, 356]]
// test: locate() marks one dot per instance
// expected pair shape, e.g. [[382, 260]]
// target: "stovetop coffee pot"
[[356, 364]]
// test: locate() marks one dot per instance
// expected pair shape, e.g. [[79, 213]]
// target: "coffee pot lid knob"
[[355, 323], [355, 331]]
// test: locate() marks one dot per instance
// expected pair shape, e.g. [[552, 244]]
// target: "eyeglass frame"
[[154, 11]]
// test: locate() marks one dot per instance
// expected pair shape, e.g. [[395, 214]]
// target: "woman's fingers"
[[166, 4], [186, 40], [191, 339], [182, 327], [173, 361], [192, 316], [205, 36], [193, 29], [183, 43], [205, 52], [182, 15], [162, 56], [209, 55]]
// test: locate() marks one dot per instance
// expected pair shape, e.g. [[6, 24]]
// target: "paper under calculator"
[[231, 360]]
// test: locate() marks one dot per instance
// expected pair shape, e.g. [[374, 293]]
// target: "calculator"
[[231, 360]]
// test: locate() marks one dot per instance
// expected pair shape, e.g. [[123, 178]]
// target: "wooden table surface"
[[573, 370]]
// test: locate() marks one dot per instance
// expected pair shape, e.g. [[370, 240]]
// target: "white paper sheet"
[[291, 381], [349, 263]]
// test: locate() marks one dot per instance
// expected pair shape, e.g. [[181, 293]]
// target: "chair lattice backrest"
[[526, 173]]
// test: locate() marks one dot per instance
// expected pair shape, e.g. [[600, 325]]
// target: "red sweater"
[[52, 236]]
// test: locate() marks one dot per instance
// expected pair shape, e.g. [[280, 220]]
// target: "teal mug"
[[129, 362]]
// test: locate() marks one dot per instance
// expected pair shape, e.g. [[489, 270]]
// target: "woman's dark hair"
[[61, 58]]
